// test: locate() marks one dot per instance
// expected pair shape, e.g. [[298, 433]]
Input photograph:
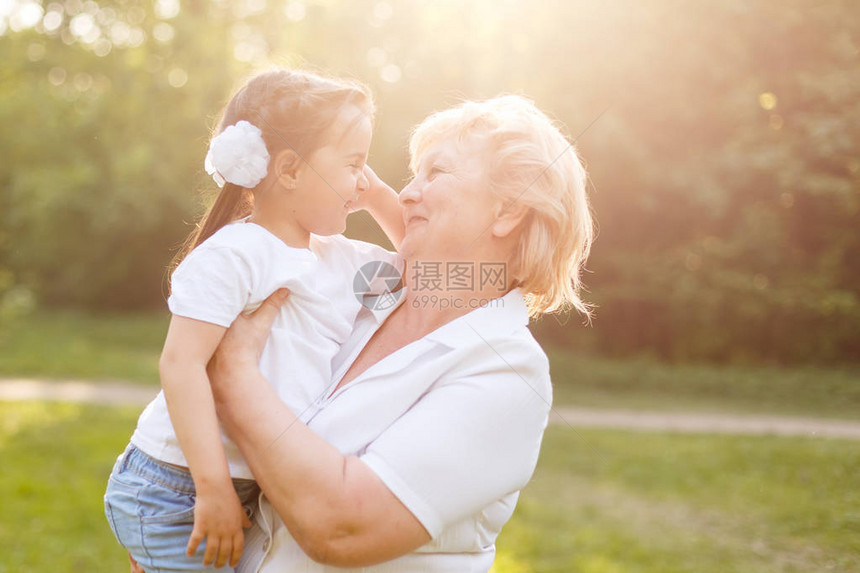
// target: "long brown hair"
[[293, 109]]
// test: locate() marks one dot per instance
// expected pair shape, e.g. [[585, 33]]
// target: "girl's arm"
[[335, 507], [218, 514], [382, 203]]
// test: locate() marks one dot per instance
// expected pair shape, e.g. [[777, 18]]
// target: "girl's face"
[[332, 177]]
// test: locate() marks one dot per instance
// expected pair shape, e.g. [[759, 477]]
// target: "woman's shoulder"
[[514, 355], [495, 344], [501, 322]]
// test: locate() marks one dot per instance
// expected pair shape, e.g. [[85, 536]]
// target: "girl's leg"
[[150, 506]]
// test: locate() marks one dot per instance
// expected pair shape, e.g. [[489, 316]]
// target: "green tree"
[[725, 170]]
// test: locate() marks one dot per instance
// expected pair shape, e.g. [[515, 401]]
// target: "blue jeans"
[[150, 508]]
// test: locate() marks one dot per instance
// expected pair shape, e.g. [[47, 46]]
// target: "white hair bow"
[[238, 155]]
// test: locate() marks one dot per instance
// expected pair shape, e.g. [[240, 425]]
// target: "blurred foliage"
[[725, 171], [75, 344]]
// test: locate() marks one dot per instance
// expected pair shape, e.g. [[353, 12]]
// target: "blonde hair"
[[533, 164], [293, 108]]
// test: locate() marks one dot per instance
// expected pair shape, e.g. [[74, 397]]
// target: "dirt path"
[[117, 394], [706, 423], [111, 393]]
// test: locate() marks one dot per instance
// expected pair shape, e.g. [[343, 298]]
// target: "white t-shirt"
[[232, 272], [451, 423]]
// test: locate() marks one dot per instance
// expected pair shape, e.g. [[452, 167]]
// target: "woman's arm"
[[382, 203], [218, 514], [336, 508]]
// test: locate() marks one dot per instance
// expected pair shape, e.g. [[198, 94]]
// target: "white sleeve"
[[212, 284], [468, 442]]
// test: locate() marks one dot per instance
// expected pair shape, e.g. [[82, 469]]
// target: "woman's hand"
[[339, 512], [234, 368], [244, 341], [219, 517]]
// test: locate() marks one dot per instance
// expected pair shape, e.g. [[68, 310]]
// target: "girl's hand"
[[219, 519], [376, 190], [382, 202]]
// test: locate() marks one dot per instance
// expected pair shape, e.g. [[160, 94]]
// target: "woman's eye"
[[434, 171]]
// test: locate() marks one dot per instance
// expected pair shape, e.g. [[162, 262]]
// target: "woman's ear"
[[508, 217], [287, 164]]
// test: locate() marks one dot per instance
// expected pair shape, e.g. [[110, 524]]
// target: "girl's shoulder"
[[351, 252], [239, 235], [250, 241]]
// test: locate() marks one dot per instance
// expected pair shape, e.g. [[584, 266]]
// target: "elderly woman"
[[414, 459]]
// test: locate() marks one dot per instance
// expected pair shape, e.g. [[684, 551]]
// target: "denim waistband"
[[174, 477]]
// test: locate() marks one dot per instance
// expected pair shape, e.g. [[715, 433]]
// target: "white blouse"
[[451, 423], [233, 271]]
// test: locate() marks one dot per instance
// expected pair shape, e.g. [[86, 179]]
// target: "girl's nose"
[[362, 184]]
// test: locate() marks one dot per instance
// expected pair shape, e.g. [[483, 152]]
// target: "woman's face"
[[448, 206]]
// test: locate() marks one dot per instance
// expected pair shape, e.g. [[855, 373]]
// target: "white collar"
[[498, 317]]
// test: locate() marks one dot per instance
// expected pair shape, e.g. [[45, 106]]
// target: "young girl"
[[290, 157]]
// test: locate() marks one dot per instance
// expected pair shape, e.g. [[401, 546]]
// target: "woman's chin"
[[410, 247]]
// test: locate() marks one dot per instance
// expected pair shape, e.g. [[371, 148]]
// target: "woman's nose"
[[411, 193]]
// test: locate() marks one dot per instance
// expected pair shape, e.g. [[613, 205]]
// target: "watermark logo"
[[377, 285], [437, 276]]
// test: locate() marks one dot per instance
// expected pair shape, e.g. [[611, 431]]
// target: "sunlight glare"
[[767, 100]]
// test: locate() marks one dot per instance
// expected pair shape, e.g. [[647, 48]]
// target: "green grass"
[[645, 384], [613, 501], [75, 345], [600, 501], [55, 462], [126, 346]]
